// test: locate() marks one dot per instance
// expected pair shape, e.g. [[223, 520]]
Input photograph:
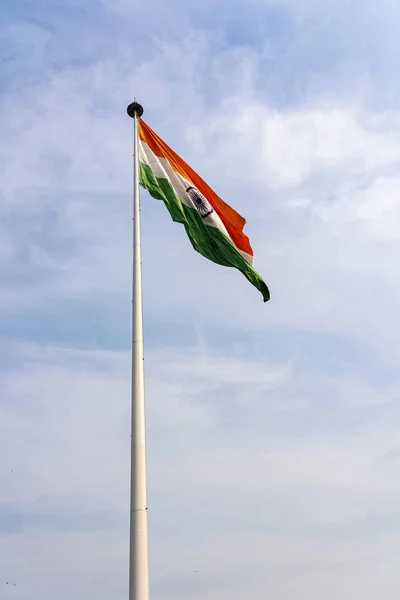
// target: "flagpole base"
[[135, 110]]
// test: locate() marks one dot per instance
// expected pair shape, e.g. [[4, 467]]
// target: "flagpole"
[[138, 547]]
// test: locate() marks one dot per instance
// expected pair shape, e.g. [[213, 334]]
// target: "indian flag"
[[214, 228]]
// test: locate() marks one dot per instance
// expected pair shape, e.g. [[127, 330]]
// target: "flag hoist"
[[138, 547]]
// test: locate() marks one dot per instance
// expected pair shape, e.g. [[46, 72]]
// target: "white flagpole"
[[138, 551]]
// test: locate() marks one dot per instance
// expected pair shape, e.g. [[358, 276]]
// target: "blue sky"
[[273, 445]]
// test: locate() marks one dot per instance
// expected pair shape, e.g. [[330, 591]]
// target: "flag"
[[214, 228]]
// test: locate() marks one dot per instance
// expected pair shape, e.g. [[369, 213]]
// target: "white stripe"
[[161, 168]]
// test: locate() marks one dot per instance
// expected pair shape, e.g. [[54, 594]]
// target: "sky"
[[273, 438]]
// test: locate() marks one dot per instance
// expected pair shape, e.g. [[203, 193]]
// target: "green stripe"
[[211, 242]]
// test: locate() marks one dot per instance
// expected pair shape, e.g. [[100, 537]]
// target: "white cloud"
[[233, 486], [270, 471]]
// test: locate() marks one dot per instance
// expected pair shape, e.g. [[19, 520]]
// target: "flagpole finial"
[[135, 110]]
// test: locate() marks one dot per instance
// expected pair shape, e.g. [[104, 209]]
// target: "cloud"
[[223, 434], [272, 430]]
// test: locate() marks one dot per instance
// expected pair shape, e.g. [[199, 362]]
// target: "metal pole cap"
[[135, 110]]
